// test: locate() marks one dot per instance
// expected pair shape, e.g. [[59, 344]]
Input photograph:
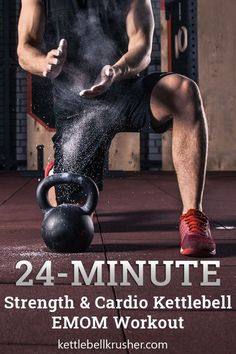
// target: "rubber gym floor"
[[137, 219]]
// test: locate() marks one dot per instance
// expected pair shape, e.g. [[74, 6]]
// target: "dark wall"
[[12, 91]]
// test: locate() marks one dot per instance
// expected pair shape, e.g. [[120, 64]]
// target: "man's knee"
[[176, 92], [188, 90]]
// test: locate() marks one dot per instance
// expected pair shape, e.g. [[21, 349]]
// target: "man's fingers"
[[109, 71], [62, 43], [98, 88], [59, 52], [85, 92], [48, 71], [54, 61], [93, 89], [62, 46], [89, 94], [54, 53], [102, 84], [93, 92]]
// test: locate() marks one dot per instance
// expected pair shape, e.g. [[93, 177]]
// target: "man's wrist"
[[121, 71]]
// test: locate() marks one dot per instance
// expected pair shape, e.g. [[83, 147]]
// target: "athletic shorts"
[[85, 127]]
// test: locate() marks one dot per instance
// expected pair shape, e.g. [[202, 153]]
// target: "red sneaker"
[[195, 233], [49, 169]]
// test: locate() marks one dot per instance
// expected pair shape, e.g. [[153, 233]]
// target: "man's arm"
[[140, 27], [30, 34]]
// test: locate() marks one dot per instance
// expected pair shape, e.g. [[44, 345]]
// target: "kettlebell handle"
[[87, 184]]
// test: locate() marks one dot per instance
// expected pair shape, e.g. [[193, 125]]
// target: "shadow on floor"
[[228, 224], [224, 250], [139, 221], [149, 220], [131, 247]]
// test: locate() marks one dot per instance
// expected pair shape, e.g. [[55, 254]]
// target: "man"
[[94, 54]]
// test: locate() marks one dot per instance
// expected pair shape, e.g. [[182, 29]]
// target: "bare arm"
[[30, 34], [140, 27], [30, 29]]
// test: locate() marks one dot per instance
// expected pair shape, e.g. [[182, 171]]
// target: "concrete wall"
[[217, 78], [216, 55]]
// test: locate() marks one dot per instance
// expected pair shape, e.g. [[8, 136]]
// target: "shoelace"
[[196, 221]]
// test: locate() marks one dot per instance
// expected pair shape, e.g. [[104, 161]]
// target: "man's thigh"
[[140, 114]]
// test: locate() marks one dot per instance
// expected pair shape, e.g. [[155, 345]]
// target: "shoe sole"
[[197, 253]]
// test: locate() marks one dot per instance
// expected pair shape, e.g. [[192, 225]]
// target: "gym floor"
[[137, 219]]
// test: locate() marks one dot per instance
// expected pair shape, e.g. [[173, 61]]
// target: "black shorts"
[[85, 127]]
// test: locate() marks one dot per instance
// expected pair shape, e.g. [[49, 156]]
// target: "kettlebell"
[[67, 227]]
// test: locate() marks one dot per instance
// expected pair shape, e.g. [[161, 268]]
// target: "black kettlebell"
[[67, 227]]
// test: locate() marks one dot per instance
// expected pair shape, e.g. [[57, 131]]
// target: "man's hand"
[[102, 83], [55, 60]]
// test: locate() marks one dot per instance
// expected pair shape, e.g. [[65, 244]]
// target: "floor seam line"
[[162, 190], [113, 288], [14, 193]]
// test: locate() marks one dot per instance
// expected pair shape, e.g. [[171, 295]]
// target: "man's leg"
[[178, 97]]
